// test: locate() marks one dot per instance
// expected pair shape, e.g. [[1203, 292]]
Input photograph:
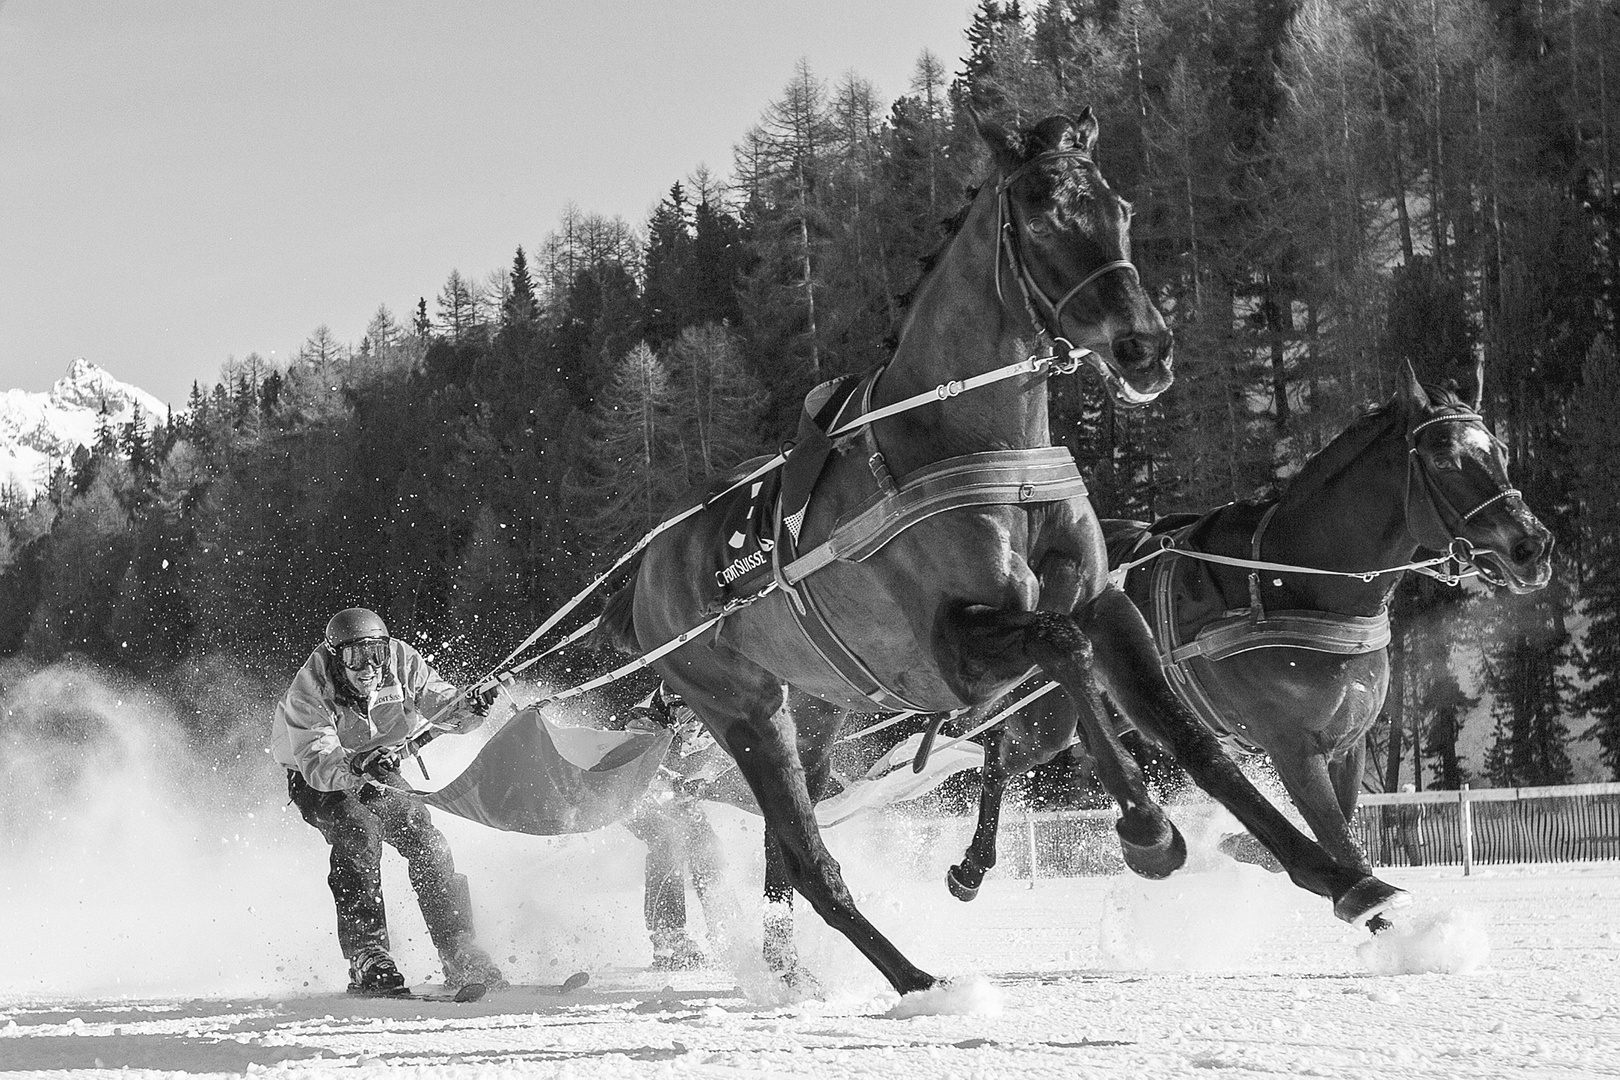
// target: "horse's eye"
[[1446, 463]]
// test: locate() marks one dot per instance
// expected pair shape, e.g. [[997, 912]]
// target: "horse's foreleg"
[[1346, 773], [964, 879], [814, 730], [1002, 643], [1149, 841], [1128, 664], [1306, 775]]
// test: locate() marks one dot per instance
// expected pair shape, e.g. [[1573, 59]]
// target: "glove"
[[479, 700], [375, 763]]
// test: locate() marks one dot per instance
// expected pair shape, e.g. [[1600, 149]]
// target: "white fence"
[[1574, 823], [1464, 828]]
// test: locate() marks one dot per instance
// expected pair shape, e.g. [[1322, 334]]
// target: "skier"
[[680, 841], [339, 731]]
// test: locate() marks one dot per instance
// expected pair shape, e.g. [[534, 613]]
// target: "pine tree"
[[519, 308], [634, 448], [1597, 450], [458, 309], [716, 404], [1528, 650], [666, 294]]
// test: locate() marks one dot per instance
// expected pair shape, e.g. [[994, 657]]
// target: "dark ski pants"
[[357, 826], [679, 841]]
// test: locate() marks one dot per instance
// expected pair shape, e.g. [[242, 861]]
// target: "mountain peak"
[[41, 431], [93, 387]]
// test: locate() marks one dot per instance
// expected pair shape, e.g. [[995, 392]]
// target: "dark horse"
[[1297, 664], [961, 606]]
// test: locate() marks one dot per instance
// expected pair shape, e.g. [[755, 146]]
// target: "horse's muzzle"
[[1522, 566], [1142, 366]]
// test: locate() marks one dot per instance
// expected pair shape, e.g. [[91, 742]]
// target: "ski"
[[472, 991]]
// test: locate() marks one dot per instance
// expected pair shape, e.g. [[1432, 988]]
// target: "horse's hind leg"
[[742, 704], [1128, 664]]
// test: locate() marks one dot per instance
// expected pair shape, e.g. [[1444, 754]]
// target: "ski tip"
[[471, 992], [575, 981]]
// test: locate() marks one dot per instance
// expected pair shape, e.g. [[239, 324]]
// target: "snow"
[[40, 431], [169, 915]]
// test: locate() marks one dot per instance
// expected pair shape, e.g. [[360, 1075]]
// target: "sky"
[[186, 181]]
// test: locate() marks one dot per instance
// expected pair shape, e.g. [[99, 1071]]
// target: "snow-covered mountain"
[[39, 431]]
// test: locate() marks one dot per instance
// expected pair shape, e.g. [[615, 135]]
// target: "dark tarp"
[[538, 777]]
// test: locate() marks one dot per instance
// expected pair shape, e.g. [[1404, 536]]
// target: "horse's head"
[[1066, 243], [1457, 488]]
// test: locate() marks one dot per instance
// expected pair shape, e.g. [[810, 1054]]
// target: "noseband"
[[1047, 317], [1437, 506]]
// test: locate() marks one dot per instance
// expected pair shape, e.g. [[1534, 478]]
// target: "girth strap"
[[992, 478], [1347, 635]]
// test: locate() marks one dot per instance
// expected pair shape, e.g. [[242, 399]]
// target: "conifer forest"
[[1324, 190]]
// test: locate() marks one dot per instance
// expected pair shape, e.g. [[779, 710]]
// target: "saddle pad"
[[749, 515], [748, 526]]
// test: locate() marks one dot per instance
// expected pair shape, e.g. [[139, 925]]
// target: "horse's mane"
[[1321, 468], [951, 226]]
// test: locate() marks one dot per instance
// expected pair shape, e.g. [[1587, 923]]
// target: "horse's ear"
[[1085, 131], [1007, 146], [1408, 391]]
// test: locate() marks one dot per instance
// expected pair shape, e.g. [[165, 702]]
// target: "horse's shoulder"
[[1228, 529]]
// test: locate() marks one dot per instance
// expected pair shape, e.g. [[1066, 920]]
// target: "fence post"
[[1034, 862], [1465, 817]]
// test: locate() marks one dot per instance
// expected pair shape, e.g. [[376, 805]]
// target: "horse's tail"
[[617, 627]]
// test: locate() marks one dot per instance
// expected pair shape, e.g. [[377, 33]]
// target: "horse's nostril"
[[1527, 551]]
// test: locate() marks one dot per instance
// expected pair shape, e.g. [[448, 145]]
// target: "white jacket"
[[316, 734]]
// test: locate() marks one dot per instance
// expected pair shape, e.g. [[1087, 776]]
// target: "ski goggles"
[[360, 655]]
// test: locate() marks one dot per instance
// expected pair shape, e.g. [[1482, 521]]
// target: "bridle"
[[1045, 314], [1435, 514]]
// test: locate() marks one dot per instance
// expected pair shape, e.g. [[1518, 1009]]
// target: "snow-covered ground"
[[157, 914]]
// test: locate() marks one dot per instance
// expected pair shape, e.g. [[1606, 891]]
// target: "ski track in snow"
[[175, 920]]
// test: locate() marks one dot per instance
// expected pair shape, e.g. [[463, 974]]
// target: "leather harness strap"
[[992, 478], [1243, 630]]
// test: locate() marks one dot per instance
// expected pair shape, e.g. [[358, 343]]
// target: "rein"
[[1458, 549], [1055, 362], [1046, 366], [1167, 544]]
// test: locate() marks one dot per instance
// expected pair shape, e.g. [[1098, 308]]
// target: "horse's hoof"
[[1246, 849], [1378, 924], [800, 981], [1158, 858], [959, 888], [1367, 899]]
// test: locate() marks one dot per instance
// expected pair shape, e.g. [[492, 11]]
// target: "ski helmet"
[[354, 624]]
